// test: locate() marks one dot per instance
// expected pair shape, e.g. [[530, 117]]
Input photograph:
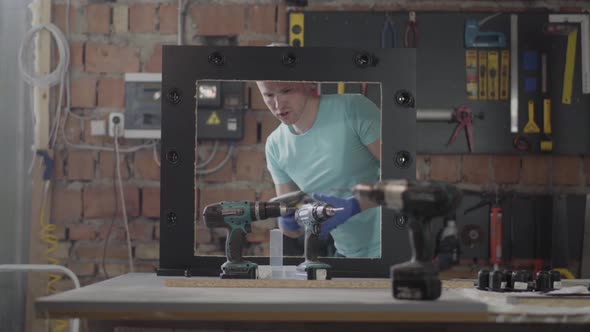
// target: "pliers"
[[463, 115], [411, 28], [388, 25]]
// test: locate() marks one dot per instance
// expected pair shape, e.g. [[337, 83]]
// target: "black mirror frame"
[[183, 66]]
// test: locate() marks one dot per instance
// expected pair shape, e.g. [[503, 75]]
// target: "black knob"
[[400, 220], [555, 279], [289, 59], [173, 157], [497, 281], [543, 281], [404, 98], [483, 279], [508, 279], [171, 218], [364, 59], [403, 159], [520, 280], [174, 96], [216, 58]]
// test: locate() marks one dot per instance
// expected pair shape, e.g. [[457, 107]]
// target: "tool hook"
[[388, 25], [411, 29], [464, 116]]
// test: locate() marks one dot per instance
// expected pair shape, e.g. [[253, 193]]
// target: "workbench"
[[144, 299]]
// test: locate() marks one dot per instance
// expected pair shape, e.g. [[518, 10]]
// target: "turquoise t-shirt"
[[331, 157]]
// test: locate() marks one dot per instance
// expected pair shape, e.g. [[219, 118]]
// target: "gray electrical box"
[[220, 107]]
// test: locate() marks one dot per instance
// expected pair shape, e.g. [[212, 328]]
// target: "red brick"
[[142, 18], [86, 269], [60, 232], [81, 165], [145, 165], [445, 168], [111, 93], [250, 165], [157, 232], [62, 250], [95, 251], [98, 17], [169, 18], [150, 202], [506, 169], [115, 270], [249, 42], [99, 202], [476, 169], [422, 167], [535, 170], [261, 19], [225, 173], [84, 93], [101, 58], [269, 124], [59, 17], [219, 20], [250, 129], [72, 130], [59, 161], [210, 196], [106, 165], [154, 64], [81, 232], [267, 194], [66, 204], [566, 170], [142, 231], [148, 251], [114, 230], [77, 55]]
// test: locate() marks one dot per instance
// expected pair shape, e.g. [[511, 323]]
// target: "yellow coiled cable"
[[49, 237]]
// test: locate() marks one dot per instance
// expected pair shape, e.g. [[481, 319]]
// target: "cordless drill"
[[311, 216], [421, 201], [237, 217]]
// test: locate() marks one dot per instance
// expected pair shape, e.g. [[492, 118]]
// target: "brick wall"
[[109, 38]]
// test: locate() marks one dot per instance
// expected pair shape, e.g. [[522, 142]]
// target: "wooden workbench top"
[[143, 296]]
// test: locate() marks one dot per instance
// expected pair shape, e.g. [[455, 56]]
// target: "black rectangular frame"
[[184, 66]]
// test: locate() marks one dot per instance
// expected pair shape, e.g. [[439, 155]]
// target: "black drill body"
[[421, 201], [237, 217]]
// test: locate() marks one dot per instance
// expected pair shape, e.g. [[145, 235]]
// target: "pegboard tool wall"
[[441, 78]]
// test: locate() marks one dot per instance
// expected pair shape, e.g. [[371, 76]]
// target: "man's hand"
[[289, 226], [350, 207]]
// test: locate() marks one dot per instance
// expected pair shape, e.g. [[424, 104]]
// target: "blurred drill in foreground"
[[420, 201]]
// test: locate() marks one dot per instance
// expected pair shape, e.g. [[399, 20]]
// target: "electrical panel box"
[[220, 107]]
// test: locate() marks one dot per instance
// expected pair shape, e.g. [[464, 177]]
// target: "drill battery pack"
[[241, 270], [415, 281], [313, 271]]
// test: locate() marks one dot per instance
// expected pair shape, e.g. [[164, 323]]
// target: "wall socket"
[[116, 124]]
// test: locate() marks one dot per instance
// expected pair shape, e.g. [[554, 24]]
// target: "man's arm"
[[282, 189], [375, 148]]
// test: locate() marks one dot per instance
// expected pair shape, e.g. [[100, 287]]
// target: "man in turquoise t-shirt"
[[326, 144]]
